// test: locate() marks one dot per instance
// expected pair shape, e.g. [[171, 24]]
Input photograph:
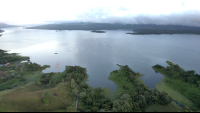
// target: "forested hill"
[[109, 26], [2, 25]]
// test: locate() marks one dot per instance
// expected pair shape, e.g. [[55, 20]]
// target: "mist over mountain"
[[3, 25]]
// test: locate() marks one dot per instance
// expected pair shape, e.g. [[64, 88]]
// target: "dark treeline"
[[96, 31], [90, 100], [186, 82], [46, 79], [109, 26], [176, 72], [164, 31], [10, 57], [33, 67]]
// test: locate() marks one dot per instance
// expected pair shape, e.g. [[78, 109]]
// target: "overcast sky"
[[178, 12]]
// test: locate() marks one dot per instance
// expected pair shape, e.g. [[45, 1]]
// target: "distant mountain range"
[[2, 25], [108, 26]]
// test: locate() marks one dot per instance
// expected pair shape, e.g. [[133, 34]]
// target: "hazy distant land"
[[2, 25], [98, 31], [139, 28], [164, 31]]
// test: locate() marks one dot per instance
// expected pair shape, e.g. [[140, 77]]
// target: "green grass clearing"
[[27, 100]]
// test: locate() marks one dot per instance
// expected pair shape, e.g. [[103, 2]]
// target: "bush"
[[46, 95], [52, 82], [46, 101], [31, 83]]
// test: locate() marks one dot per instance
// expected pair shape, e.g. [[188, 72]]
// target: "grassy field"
[[163, 108], [183, 92], [30, 99], [162, 86]]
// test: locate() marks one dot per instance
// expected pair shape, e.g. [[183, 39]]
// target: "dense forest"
[[186, 82], [34, 67], [10, 57]]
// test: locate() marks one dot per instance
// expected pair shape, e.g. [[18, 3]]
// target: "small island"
[[96, 31]]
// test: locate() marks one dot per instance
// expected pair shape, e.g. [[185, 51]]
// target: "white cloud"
[[124, 11]]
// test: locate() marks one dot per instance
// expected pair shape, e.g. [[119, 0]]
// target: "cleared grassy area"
[[163, 108], [30, 99], [12, 82], [183, 92], [162, 86], [31, 76]]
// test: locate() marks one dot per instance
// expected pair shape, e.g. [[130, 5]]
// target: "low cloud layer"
[[104, 15], [177, 12]]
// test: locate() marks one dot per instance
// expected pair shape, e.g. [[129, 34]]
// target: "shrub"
[[46, 101], [46, 95], [39, 83], [52, 82], [31, 83]]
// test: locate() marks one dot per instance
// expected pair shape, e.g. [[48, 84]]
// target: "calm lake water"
[[100, 52]]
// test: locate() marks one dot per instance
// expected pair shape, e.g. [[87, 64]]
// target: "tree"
[[46, 96], [89, 101], [71, 109], [95, 109], [82, 95], [39, 83], [75, 91], [52, 82], [72, 83], [102, 110]]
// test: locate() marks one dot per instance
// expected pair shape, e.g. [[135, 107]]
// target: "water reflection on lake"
[[100, 52]]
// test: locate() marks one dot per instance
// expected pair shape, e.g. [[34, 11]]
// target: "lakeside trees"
[[140, 96], [10, 57], [186, 82], [34, 67]]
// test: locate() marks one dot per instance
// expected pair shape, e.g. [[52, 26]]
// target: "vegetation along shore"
[[25, 88]]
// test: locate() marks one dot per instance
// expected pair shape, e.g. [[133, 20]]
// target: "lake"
[[100, 52]]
